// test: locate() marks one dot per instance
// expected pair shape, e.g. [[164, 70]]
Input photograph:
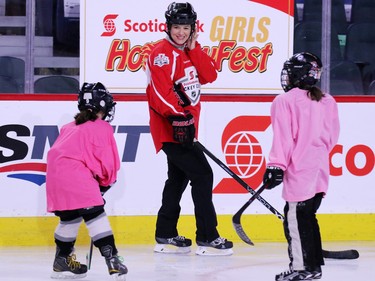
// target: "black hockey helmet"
[[96, 97], [180, 13], [302, 70]]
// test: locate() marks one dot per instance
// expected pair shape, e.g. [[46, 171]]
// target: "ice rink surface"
[[259, 262]]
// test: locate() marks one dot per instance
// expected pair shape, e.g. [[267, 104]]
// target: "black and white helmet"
[[95, 96], [180, 13], [302, 71]]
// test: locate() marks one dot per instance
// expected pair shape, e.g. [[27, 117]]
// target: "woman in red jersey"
[[176, 68]]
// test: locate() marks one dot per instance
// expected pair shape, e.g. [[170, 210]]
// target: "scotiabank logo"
[[359, 160], [243, 153], [244, 156], [109, 25]]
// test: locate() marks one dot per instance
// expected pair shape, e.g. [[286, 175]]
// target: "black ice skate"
[[316, 272], [218, 247], [174, 245], [68, 268], [295, 275], [115, 266]]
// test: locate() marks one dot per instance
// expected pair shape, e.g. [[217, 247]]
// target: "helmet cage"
[[302, 70], [95, 97]]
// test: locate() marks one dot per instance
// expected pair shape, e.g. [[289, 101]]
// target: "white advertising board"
[[28, 129], [249, 40]]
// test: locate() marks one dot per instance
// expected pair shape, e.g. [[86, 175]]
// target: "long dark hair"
[[315, 93], [85, 115]]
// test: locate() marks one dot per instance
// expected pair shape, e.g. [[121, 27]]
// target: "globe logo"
[[109, 25], [243, 154]]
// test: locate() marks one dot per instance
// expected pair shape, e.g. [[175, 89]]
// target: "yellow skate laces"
[[72, 263]]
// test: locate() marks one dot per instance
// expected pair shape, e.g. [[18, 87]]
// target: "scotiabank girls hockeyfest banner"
[[250, 40]]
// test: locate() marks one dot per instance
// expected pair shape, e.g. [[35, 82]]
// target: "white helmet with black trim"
[[302, 71], [95, 97]]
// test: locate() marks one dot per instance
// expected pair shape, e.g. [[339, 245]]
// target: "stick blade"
[[241, 233], [341, 255]]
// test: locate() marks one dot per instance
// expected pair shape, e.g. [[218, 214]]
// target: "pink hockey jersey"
[[304, 133], [82, 158], [167, 65]]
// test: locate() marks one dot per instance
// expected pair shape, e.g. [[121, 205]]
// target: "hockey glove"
[[183, 129], [104, 189], [273, 176], [183, 99]]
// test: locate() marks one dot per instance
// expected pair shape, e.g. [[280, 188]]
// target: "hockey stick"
[[345, 254], [239, 180], [341, 255], [89, 255], [236, 219]]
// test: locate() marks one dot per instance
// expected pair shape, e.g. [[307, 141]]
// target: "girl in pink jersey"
[[81, 165], [306, 127], [176, 68]]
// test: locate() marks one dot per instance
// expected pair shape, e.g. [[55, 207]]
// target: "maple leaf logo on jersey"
[[161, 60]]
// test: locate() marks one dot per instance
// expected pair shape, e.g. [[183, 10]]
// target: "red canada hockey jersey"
[[166, 66]]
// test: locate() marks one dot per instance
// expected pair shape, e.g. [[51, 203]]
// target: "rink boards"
[[235, 130]]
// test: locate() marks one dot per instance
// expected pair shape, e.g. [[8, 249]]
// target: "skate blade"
[[117, 277], [67, 275], [170, 249], [208, 251]]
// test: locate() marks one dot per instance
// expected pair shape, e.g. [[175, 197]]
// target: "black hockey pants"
[[303, 234], [184, 165]]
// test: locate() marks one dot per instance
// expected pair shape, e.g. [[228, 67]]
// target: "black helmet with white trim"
[[302, 71], [95, 97]]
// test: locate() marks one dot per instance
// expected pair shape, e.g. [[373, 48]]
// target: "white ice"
[[259, 262]]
